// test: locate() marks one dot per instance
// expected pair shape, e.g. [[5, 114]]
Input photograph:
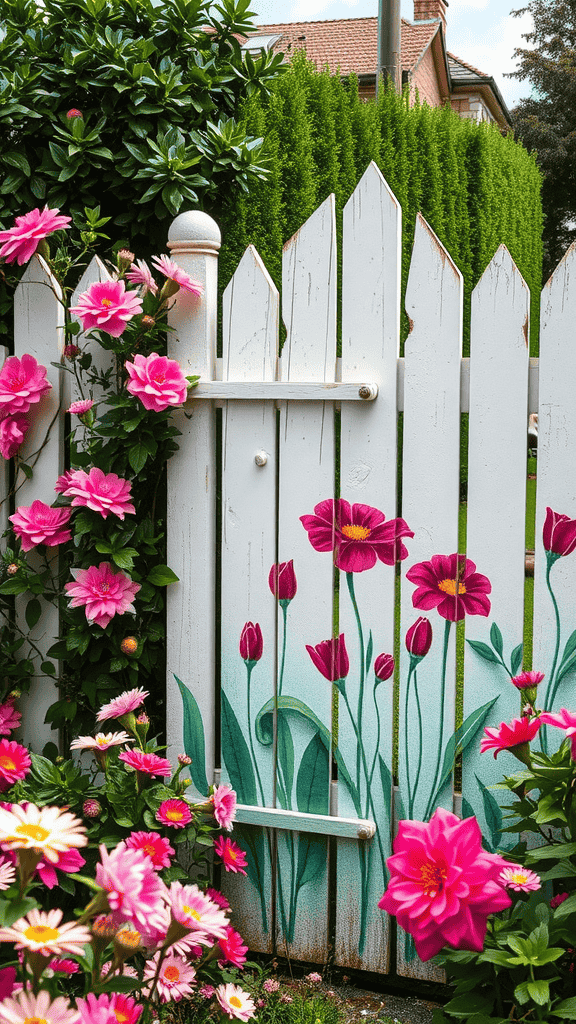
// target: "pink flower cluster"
[[105, 493], [23, 382]]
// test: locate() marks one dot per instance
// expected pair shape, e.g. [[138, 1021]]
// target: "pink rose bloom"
[[15, 763], [69, 861], [134, 890], [231, 855], [21, 241], [223, 800], [140, 273], [157, 381], [357, 534], [9, 717], [173, 272], [41, 524], [443, 885], [148, 764], [13, 430], [565, 720], [102, 592], [101, 492], [156, 846], [22, 384], [107, 306], [233, 949]]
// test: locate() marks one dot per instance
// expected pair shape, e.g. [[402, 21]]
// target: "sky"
[[481, 32]]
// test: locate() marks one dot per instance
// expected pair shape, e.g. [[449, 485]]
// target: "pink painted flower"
[[450, 584], [24, 1008], [21, 241], [282, 581], [218, 898], [223, 800], [231, 855], [100, 492], [148, 764], [235, 1002], [13, 430], [566, 720], [175, 813], [419, 638], [331, 658], [233, 949], [173, 272], [23, 382], [251, 642], [176, 977], [384, 667], [443, 885], [559, 533], [157, 381], [357, 534], [15, 763], [527, 680], [41, 524], [141, 274], [9, 717], [156, 846], [133, 888], [514, 737], [69, 861], [107, 306], [520, 879], [102, 592], [124, 704]]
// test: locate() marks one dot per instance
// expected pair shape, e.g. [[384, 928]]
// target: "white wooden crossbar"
[[294, 821]]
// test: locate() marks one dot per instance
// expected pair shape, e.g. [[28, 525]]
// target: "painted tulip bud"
[[282, 581], [419, 638], [251, 643], [384, 667]]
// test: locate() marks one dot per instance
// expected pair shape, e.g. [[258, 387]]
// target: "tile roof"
[[461, 71]]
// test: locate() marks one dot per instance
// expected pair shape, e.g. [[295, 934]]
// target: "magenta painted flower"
[[156, 846], [231, 855], [559, 533], [15, 763], [251, 642], [41, 524], [235, 1003], [233, 949], [173, 272], [527, 680], [133, 888], [101, 492], [450, 584], [13, 430], [102, 592], [148, 764], [81, 407], [174, 813], [357, 534], [419, 638], [223, 800], [20, 242], [443, 885], [282, 581], [384, 667], [23, 382], [107, 306], [124, 704], [141, 274], [331, 658], [158, 382], [514, 737], [520, 879], [565, 720], [9, 717]]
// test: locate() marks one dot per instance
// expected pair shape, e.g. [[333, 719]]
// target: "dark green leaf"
[[193, 734], [33, 612], [516, 659], [237, 756], [484, 651], [137, 457], [496, 639], [162, 576]]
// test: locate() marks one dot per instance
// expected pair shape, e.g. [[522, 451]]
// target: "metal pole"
[[389, 59]]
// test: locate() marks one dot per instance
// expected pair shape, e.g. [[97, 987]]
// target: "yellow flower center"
[[130, 938], [121, 1017], [35, 1020], [7, 762], [432, 878], [234, 1001], [519, 877], [190, 912], [172, 973], [101, 741], [107, 303], [356, 532], [174, 814], [449, 587], [36, 832], [149, 849], [41, 933]]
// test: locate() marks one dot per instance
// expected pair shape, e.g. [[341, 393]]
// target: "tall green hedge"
[[475, 187]]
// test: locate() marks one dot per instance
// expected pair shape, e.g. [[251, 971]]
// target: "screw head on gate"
[[261, 458], [367, 392]]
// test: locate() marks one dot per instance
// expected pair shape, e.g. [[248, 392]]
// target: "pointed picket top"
[[102, 360], [433, 275], [250, 311], [309, 297]]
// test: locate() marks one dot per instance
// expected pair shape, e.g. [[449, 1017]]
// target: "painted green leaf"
[[516, 659], [312, 858], [565, 668], [312, 784], [285, 753], [252, 842], [386, 779], [492, 813], [369, 652], [467, 809], [237, 756], [193, 733], [484, 651], [496, 639], [569, 648], [459, 740]]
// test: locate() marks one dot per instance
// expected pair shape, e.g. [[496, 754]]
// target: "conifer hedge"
[[475, 187]]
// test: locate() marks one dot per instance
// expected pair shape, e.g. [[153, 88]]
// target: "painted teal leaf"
[[285, 754], [569, 648], [467, 809], [386, 779], [459, 740], [312, 858], [369, 652], [496, 639], [492, 813], [252, 842], [516, 659], [312, 784], [193, 732], [409, 948], [484, 651], [237, 756], [565, 668]]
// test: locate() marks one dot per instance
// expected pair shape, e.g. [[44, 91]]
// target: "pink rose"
[[41, 524], [21, 241], [13, 430], [107, 306], [157, 381], [22, 384]]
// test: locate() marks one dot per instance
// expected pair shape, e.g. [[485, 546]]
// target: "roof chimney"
[[431, 10]]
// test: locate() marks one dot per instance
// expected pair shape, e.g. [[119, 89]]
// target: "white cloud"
[[493, 54]]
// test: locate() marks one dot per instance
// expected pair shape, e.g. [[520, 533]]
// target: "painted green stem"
[[552, 686], [284, 606], [406, 745], [350, 583], [417, 779], [441, 726], [377, 735], [249, 669]]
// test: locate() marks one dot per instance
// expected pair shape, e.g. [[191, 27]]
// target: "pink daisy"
[[232, 856], [42, 932], [126, 1009], [218, 897], [194, 910], [96, 1009], [133, 888], [140, 273], [100, 492], [102, 592], [173, 272], [156, 846], [107, 306], [223, 800], [60, 966], [21, 241], [123, 704], [175, 813], [511, 737], [233, 948], [41, 524], [566, 720], [520, 879], [148, 764], [15, 763], [158, 382], [101, 741], [176, 977], [24, 1008], [23, 382], [235, 1002]]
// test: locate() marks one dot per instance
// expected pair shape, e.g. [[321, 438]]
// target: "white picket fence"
[[293, 427]]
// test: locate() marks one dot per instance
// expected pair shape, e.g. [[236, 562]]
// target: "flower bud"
[[419, 638], [384, 667], [124, 259], [129, 645], [12, 569], [184, 760], [92, 809], [251, 643], [147, 321], [73, 113], [282, 581], [71, 352]]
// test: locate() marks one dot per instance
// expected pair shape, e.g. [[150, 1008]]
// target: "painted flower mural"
[[357, 534]]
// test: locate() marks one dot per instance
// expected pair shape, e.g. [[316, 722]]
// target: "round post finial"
[[194, 231]]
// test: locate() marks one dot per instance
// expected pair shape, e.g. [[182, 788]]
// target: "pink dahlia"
[[357, 534], [175, 813], [156, 846], [23, 382], [173, 272], [520, 879], [102, 592], [566, 720], [157, 381], [443, 885], [148, 764], [13, 430], [223, 800], [9, 717], [231, 855], [514, 737], [100, 492], [124, 704], [21, 241], [41, 524], [140, 273], [527, 680], [15, 763], [233, 949], [107, 306], [133, 888], [235, 1002], [176, 977], [450, 584]]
